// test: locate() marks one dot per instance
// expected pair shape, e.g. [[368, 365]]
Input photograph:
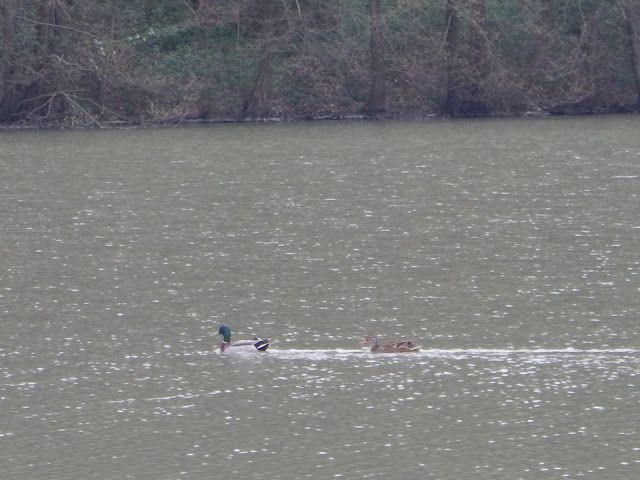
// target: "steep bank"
[[140, 63]]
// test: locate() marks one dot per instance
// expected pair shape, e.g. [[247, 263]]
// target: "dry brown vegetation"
[[98, 62]]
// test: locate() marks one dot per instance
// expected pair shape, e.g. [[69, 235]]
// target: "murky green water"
[[510, 249]]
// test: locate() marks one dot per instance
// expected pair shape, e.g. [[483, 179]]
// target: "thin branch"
[[443, 44], [91, 118], [299, 11], [48, 103], [38, 97], [186, 4], [64, 27], [74, 102], [623, 10], [101, 107]]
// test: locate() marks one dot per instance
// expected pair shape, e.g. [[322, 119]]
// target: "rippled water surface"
[[509, 249]]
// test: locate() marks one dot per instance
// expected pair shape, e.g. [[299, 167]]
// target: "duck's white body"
[[245, 346], [241, 346]]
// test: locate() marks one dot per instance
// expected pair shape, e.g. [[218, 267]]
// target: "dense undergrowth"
[[106, 62]]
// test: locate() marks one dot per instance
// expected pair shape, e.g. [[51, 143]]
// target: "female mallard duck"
[[374, 344], [255, 345]]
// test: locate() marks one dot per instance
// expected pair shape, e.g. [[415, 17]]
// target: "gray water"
[[509, 249]]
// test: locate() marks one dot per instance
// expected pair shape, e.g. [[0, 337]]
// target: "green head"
[[226, 333]]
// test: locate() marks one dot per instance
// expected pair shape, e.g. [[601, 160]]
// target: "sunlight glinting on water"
[[507, 249], [482, 353]]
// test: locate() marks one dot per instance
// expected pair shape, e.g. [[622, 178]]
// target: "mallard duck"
[[255, 345], [375, 346]]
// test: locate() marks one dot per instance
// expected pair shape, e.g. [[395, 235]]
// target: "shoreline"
[[186, 121]]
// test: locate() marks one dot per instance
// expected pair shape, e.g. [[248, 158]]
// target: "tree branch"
[[64, 27], [186, 4]]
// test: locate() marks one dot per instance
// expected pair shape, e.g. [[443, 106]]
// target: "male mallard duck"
[[390, 347], [255, 345]]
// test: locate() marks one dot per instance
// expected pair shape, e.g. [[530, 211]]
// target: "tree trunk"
[[467, 66], [631, 11], [590, 46], [451, 102], [589, 65], [546, 13], [115, 15], [377, 102], [257, 103], [479, 68], [49, 19], [7, 52]]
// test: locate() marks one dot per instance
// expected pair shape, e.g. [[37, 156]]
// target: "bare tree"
[[50, 14], [268, 25], [479, 59], [631, 12], [8, 9], [467, 65], [377, 102], [450, 104]]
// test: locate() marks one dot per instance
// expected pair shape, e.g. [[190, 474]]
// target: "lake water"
[[509, 249]]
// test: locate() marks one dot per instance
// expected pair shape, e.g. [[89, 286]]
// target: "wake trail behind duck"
[[457, 353]]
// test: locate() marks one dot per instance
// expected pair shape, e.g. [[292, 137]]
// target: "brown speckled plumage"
[[389, 347]]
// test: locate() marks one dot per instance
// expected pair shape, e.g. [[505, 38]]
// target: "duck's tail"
[[262, 345]]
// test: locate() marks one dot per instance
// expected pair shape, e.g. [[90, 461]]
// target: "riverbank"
[[178, 121], [80, 64]]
